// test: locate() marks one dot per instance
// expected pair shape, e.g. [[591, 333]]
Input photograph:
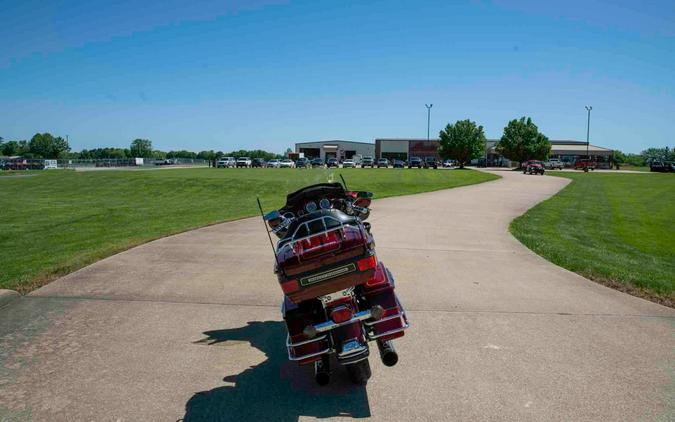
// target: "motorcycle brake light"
[[367, 263], [341, 314], [290, 286]]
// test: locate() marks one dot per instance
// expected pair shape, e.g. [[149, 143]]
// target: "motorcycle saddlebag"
[[379, 290]]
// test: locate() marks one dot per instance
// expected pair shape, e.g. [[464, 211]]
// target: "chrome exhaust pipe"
[[387, 353], [322, 371]]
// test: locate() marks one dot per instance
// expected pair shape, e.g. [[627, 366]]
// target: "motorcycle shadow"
[[276, 389]]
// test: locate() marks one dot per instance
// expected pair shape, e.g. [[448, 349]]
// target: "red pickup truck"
[[585, 164]]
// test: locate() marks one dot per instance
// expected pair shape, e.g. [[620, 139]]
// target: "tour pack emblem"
[[335, 272]]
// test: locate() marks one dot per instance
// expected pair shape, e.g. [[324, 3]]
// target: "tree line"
[[465, 140], [522, 141], [47, 146]]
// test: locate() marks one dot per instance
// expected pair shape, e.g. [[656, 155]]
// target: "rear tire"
[[359, 372]]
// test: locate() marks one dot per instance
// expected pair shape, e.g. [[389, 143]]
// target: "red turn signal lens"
[[367, 263], [290, 286], [341, 314]]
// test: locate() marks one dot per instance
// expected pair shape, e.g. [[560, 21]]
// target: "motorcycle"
[[338, 296]]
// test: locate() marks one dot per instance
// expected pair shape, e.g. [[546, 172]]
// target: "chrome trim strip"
[[291, 353], [302, 343], [310, 355], [330, 325]]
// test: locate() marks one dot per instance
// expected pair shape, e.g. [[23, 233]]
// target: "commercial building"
[[568, 151], [403, 148], [335, 149]]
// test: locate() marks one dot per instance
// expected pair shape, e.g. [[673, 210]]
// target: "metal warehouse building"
[[335, 149]]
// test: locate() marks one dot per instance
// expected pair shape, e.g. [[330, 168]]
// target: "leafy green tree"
[[462, 141], [657, 154], [181, 154], [10, 148], [634, 160], [617, 158], [141, 148], [522, 141], [158, 155], [45, 145]]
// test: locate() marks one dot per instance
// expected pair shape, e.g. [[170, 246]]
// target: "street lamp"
[[588, 129], [428, 106]]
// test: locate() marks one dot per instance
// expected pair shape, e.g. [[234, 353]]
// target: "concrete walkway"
[[189, 327]]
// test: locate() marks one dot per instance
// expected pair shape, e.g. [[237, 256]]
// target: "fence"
[[131, 162]]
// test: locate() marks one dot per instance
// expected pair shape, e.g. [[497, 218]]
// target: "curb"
[[7, 296]]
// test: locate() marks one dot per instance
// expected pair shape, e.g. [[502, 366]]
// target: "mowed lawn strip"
[[617, 229], [58, 221]]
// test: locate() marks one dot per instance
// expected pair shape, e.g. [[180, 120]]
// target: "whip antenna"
[[343, 182], [274, 252]]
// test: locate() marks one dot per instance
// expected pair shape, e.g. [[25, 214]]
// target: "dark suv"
[[332, 162], [317, 162], [415, 162], [662, 166], [303, 163], [258, 162], [431, 162]]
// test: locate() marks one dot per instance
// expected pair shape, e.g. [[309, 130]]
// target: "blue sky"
[[265, 74]]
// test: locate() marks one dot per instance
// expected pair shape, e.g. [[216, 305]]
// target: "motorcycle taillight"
[[367, 263], [341, 314]]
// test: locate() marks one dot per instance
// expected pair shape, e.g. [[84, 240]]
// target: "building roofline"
[[333, 140], [406, 139]]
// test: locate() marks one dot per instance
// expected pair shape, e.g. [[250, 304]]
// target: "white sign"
[[51, 164]]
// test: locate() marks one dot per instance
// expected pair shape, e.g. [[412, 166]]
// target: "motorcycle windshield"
[[297, 199]]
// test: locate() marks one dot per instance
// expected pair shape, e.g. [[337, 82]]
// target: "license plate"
[[336, 296]]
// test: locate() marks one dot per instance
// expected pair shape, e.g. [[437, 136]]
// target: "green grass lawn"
[[58, 221], [618, 229]]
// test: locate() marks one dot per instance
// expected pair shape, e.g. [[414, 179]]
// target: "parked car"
[[332, 162], [398, 164], [258, 162], [448, 163], [584, 164], [303, 163], [274, 163], [317, 162], [416, 162], [286, 163], [166, 162], [534, 167], [367, 162], [227, 162], [348, 163], [662, 166], [243, 162], [554, 163], [382, 162], [431, 162]]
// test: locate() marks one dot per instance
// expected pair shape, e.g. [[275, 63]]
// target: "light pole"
[[588, 129], [428, 106]]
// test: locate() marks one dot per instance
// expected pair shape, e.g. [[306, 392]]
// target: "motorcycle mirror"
[[363, 194]]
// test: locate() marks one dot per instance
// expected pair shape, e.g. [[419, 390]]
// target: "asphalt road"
[[188, 327]]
